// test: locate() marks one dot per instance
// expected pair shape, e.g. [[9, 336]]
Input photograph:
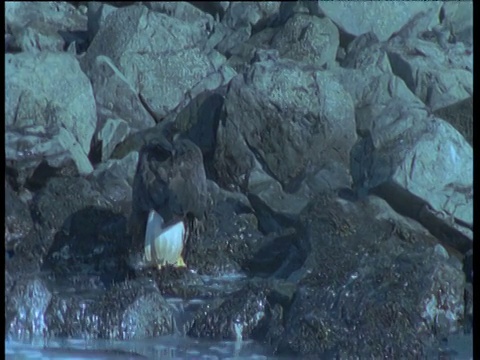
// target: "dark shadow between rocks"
[[268, 221], [43, 172], [198, 122], [413, 207], [40, 176], [11, 175], [80, 38], [279, 257], [91, 241]]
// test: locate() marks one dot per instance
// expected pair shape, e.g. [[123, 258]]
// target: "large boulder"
[[383, 19], [459, 16], [114, 180], [128, 310], [185, 70], [372, 285], [460, 116], [18, 222], [437, 79], [77, 230], [42, 26], [292, 119], [117, 99], [433, 186], [43, 124], [25, 308], [235, 319], [308, 38], [240, 21]]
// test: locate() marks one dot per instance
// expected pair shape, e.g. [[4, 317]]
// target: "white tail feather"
[[163, 245], [154, 227]]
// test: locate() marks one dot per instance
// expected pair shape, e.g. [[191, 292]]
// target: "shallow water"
[[460, 347], [167, 347]]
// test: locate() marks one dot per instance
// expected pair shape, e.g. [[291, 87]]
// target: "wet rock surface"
[[337, 174], [340, 288]]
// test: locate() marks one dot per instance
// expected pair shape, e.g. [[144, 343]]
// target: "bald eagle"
[[169, 199]]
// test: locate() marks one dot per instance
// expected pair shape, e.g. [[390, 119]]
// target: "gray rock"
[[43, 123], [184, 11], [40, 26], [61, 14], [215, 8], [83, 234], [97, 13], [163, 131], [459, 16], [308, 38], [235, 319], [469, 304], [370, 282], [255, 14], [37, 36], [429, 58], [290, 8], [230, 39], [113, 132], [116, 97], [77, 230], [130, 310], [397, 150], [246, 53], [25, 309], [230, 239], [430, 74], [239, 20], [53, 205], [198, 121], [18, 222], [218, 194], [70, 315], [366, 53], [460, 116], [114, 179], [382, 19], [373, 92], [268, 192], [274, 116], [29, 253], [177, 282], [184, 67], [218, 39]]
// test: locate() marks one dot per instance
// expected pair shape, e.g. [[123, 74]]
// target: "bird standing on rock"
[[169, 199]]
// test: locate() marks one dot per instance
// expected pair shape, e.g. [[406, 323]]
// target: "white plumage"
[[164, 245]]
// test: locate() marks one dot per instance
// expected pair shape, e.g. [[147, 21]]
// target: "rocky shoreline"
[[337, 145]]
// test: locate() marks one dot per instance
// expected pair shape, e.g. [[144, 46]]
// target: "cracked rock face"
[[332, 173]]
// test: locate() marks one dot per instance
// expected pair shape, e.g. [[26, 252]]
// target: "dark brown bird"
[[170, 179]]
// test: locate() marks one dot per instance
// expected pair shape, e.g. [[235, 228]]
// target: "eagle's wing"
[[150, 188], [188, 184], [154, 228]]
